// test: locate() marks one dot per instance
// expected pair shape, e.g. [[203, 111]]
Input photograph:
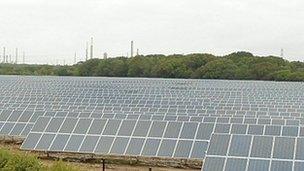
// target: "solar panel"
[[277, 165], [214, 164], [219, 145], [261, 146], [298, 166], [283, 148], [258, 164], [235, 164], [300, 149], [239, 145]]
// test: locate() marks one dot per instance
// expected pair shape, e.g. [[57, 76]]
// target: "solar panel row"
[[22, 125], [26, 115], [110, 136]]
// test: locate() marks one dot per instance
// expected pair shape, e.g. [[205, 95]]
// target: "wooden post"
[[103, 165]]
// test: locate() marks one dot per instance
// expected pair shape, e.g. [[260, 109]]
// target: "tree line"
[[237, 66]]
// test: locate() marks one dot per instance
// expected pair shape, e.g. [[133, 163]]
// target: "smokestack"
[[87, 51], [10, 58], [91, 54], [23, 57], [137, 52], [75, 58], [105, 55], [132, 46], [4, 55], [16, 60]]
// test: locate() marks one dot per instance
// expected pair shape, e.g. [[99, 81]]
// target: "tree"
[[218, 69]]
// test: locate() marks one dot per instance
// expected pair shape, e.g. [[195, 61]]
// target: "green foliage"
[[296, 76], [218, 69], [282, 75], [239, 65], [140, 66], [23, 162], [62, 71], [5, 156], [111, 67], [87, 68]]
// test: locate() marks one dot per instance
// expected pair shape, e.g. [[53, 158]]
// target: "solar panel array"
[[188, 114]]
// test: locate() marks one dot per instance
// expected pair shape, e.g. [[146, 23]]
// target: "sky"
[[52, 31]]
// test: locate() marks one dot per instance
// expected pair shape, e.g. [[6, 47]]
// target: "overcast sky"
[[49, 30]]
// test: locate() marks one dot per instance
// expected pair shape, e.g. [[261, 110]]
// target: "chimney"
[[91, 54], [4, 55], [16, 60], [132, 46], [87, 51], [75, 58], [23, 57], [105, 55]]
